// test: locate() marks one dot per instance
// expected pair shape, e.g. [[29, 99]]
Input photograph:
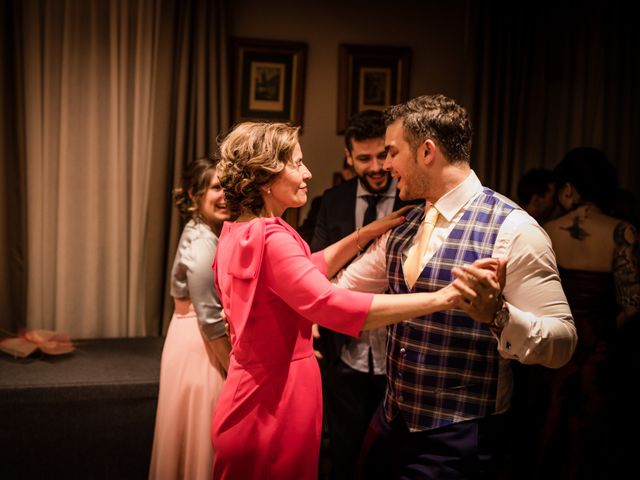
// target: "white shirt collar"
[[452, 201]]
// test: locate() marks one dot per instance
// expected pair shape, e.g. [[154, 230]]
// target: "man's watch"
[[500, 318]]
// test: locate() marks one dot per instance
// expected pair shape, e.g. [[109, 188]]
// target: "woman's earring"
[[268, 190]]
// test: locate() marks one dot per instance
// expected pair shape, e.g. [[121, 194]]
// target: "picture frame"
[[370, 77], [267, 80]]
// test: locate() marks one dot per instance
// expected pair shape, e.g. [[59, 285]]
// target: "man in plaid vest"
[[448, 374]]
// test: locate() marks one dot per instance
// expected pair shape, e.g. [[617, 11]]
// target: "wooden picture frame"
[[370, 77], [267, 80]]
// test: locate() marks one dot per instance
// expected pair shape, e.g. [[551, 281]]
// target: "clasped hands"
[[479, 288]]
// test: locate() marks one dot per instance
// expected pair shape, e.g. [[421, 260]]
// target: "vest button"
[[403, 351]]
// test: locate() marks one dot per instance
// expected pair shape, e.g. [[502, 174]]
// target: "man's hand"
[[480, 286]]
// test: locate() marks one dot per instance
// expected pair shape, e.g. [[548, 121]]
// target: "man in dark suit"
[[354, 368]]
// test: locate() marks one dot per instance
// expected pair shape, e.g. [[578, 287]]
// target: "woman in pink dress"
[[268, 420], [195, 356]]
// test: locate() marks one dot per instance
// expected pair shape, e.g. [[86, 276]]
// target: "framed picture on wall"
[[267, 80], [370, 78]]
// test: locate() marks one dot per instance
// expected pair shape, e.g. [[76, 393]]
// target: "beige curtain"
[[114, 98], [550, 76]]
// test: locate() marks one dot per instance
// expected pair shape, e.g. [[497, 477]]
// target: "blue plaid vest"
[[443, 368]]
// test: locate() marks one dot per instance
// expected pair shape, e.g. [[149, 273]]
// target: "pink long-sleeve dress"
[[268, 420]]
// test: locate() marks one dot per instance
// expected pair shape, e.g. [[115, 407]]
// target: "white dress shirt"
[[355, 353], [540, 329]]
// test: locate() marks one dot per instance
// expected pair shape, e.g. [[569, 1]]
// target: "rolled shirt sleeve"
[[540, 329], [368, 271]]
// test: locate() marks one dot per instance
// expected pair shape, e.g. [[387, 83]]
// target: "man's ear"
[[567, 191], [428, 150], [347, 155], [569, 196]]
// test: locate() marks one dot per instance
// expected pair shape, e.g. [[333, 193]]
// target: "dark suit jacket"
[[336, 219]]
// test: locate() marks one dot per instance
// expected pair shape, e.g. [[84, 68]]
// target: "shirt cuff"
[[513, 339]]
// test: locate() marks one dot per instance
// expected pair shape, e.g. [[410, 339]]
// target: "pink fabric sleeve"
[[293, 276], [317, 259]]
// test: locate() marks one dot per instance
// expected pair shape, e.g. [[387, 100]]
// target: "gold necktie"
[[412, 264]]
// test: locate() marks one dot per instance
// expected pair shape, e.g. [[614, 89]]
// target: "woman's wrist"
[[359, 244], [366, 235], [443, 299]]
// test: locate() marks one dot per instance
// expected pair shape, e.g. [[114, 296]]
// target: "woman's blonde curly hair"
[[251, 156]]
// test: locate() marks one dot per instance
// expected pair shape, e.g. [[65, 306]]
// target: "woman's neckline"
[[250, 218], [247, 220]]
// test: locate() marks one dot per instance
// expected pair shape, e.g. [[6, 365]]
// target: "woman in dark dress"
[[597, 256]]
